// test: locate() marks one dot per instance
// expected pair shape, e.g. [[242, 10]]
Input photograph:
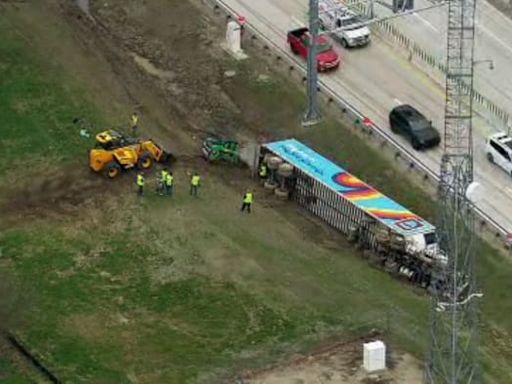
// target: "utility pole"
[[371, 9], [312, 115], [453, 353]]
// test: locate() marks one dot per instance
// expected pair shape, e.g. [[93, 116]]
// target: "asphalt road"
[[493, 41], [374, 80]]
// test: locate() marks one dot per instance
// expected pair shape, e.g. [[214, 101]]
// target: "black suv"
[[409, 122]]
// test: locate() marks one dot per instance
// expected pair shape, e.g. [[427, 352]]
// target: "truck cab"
[[300, 41], [425, 246], [348, 26]]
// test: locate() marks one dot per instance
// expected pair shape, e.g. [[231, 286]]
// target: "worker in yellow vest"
[[247, 202], [162, 183], [140, 184], [135, 121], [169, 181], [195, 183], [263, 171]]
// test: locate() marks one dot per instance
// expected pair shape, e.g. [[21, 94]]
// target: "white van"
[[349, 28], [498, 148]]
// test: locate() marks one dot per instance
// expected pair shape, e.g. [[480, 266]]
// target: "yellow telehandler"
[[115, 152]]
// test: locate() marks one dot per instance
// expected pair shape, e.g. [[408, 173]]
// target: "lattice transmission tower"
[[452, 357]]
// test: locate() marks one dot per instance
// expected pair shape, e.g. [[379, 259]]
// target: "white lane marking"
[[427, 23], [431, 163], [495, 13], [296, 22], [479, 26], [501, 42], [398, 102]]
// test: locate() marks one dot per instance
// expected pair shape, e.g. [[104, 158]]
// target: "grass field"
[[189, 290], [37, 115], [9, 374]]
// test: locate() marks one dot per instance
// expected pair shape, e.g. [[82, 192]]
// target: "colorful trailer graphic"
[[346, 185]]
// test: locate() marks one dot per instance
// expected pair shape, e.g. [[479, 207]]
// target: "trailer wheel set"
[[392, 237]]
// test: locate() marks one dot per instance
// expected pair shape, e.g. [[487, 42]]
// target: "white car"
[[348, 27], [498, 148]]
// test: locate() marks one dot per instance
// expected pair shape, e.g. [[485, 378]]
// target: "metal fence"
[[488, 109], [290, 64], [336, 211]]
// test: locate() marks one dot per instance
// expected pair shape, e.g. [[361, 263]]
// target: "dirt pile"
[[180, 57], [169, 70], [340, 362]]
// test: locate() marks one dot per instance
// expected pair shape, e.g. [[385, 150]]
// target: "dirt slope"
[[121, 58]]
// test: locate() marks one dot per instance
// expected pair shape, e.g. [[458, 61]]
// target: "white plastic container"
[[374, 358]]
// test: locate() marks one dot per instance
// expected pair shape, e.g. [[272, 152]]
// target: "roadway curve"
[[374, 80]]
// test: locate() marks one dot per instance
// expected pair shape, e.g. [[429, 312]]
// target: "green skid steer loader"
[[215, 149]]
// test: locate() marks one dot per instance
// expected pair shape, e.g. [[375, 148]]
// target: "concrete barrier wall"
[[288, 65]]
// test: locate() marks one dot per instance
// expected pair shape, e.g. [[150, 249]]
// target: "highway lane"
[[373, 80], [493, 41]]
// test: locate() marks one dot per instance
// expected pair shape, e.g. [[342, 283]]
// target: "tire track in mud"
[[62, 191], [69, 191]]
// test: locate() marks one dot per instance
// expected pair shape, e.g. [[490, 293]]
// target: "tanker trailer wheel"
[[270, 185], [281, 193], [285, 170], [274, 162]]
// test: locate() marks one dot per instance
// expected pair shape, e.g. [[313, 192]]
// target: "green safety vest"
[[135, 120], [169, 180], [140, 180], [263, 170], [248, 198], [195, 181], [163, 177]]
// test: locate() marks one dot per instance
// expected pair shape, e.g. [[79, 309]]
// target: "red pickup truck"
[[327, 58]]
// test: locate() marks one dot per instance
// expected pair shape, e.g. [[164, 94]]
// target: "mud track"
[[178, 93]]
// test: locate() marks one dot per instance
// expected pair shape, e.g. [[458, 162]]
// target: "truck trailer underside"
[[381, 244]]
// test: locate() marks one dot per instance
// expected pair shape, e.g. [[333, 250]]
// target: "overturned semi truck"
[[400, 241]]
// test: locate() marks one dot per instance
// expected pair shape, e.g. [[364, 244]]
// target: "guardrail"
[[346, 108], [501, 116], [413, 49]]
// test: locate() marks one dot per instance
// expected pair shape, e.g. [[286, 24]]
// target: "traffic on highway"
[[375, 79], [493, 44]]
